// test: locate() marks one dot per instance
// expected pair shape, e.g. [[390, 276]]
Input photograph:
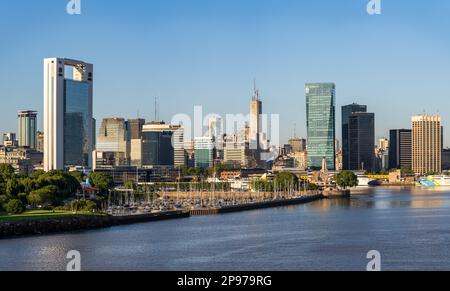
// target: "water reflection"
[[409, 226]]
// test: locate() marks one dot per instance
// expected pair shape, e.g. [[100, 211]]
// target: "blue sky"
[[207, 52]]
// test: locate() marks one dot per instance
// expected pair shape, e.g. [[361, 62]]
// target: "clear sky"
[[207, 52]]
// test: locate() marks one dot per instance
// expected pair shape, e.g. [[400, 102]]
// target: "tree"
[[102, 181], [407, 171], [130, 185], [285, 181], [14, 206], [6, 170], [346, 179], [78, 175], [44, 196]]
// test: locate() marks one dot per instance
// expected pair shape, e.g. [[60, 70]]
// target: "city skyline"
[[365, 72]]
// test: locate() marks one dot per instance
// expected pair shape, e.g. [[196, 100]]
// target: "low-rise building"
[[24, 160]]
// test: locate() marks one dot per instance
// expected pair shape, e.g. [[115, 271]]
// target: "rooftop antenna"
[[255, 90], [295, 130]]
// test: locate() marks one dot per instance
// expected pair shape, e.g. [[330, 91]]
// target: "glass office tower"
[[320, 122], [27, 129], [361, 141], [347, 111], [68, 122]]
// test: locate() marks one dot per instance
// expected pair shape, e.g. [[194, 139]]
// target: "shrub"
[[14, 206]]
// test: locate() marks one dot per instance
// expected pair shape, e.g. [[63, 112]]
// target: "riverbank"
[[70, 223], [255, 206]]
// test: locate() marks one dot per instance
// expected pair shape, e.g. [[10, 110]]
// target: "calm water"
[[410, 227]]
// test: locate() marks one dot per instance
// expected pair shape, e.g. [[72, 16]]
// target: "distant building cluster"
[[141, 150]]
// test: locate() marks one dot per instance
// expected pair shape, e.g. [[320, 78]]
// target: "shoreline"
[[17, 229]]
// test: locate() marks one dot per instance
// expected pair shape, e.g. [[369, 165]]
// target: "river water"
[[410, 227]]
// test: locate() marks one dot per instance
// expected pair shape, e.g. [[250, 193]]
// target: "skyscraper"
[[204, 152], [255, 121], [27, 129], [400, 149], [426, 144], [135, 137], [157, 147], [68, 121], [320, 122], [113, 139], [361, 135], [346, 113]]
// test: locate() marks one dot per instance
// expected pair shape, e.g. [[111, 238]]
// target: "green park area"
[[39, 215]]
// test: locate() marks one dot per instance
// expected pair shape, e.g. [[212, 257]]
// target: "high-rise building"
[[40, 141], [255, 121], [320, 122], [361, 138], [298, 145], [383, 144], [446, 159], [236, 152], [68, 119], [180, 155], [135, 127], [426, 144], [204, 152], [400, 149], [27, 128], [112, 138], [9, 139], [347, 111], [157, 147]]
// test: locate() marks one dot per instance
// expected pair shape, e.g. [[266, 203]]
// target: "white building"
[[68, 119]]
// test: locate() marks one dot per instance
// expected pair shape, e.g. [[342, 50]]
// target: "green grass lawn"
[[38, 215]]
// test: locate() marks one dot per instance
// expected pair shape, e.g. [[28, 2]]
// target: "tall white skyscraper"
[[255, 121], [68, 118]]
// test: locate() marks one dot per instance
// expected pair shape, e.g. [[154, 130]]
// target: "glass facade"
[[320, 119], [27, 129], [347, 111], [361, 141], [76, 123], [157, 149]]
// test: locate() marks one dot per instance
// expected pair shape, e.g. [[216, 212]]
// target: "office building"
[[361, 138], [255, 129], [27, 129], [157, 148], [40, 141], [400, 149], [383, 144], [347, 111], [446, 159], [68, 120], [180, 154], [298, 145], [204, 152], [9, 140], [426, 144], [320, 122], [113, 139], [135, 127]]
